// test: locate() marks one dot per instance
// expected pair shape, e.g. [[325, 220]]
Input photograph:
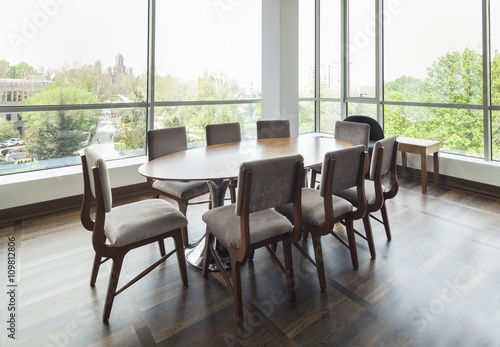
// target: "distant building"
[[15, 91], [119, 68]]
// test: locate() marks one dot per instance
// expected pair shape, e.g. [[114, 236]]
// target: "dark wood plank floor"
[[437, 283]]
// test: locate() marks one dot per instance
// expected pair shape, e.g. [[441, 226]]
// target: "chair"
[[224, 133], [166, 141], [383, 162], [118, 230], [342, 169], [252, 223], [376, 131], [354, 133], [271, 129]]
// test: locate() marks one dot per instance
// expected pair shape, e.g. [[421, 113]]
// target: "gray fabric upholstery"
[[271, 129], [347, 161], [94, 159], [354, 133], [376, 131], [141, 220], [388, 145], [222, 133], [166, 141], [225, 224], [351, 194], [313, 207], [272, 182], [182, 189]]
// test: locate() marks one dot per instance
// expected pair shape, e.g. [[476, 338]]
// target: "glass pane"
[[329, 114], [460, 131], [495, 54], [307, 117], [306, 48], [362, 109], [432, 54], [362, 48], [207, 50], [53, 139], [195, 119], [495, 120], [330, 38], [95, 48]]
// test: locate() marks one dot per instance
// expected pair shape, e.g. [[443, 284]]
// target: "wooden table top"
[[223, 161]]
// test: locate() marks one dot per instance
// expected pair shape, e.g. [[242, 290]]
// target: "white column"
[[280, 61]]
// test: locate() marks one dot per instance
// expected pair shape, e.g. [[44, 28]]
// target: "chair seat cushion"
[[313, 207], [225, 224], [352, 196], [182, 189], [141, 220]]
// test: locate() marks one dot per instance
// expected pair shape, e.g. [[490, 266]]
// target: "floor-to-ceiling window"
[[77, 74], [418, 67]]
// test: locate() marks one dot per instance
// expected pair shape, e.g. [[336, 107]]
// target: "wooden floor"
[[437, 283]]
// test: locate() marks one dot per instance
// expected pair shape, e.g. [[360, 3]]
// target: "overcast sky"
[[194, 35]]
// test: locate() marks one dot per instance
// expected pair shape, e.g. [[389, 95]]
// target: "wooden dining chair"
[[376, 131], [252, 222], [224, 133], [383, 163], [321, 209], [354, 133], [117, 230], [163, 142], [272, 129]]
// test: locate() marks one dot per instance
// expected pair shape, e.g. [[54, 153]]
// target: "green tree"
[[21, 71], [58, 134], [87, 77], [4, 69], [6, 130]]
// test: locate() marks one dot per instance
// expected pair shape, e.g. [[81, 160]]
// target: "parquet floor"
[[437, 283]]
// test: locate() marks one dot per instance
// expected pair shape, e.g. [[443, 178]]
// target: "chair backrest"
[[376, 131], [271, 129], [389, 156], [274, 182], [354, 133], [93, 159], [166, 141], [223, 133], [347, 171]]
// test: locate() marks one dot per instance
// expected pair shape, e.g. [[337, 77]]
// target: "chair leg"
[[369, 235], [238, 300], [287, 251], [352, 245], [183, 204], [318, 254], [113, 283], [207, 256], [161, 244], [313, 178], [95, 269], [251, 254], [385, 219], [181, 259]]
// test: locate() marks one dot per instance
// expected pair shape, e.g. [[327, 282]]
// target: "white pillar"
[[280, 61]]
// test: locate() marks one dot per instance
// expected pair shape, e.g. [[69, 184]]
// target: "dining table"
[[219, 164]]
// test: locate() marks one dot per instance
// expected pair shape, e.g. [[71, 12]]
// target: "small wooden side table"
[[423, 148]]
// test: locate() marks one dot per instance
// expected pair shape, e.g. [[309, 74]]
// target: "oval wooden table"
[[219, 164]]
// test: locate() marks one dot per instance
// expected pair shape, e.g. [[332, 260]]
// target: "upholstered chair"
[[224, 133], [354, 133], [252, 222], [167, 141], [377, 190], [117, 230], [271, 129], [376, 131], [321, 209]]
